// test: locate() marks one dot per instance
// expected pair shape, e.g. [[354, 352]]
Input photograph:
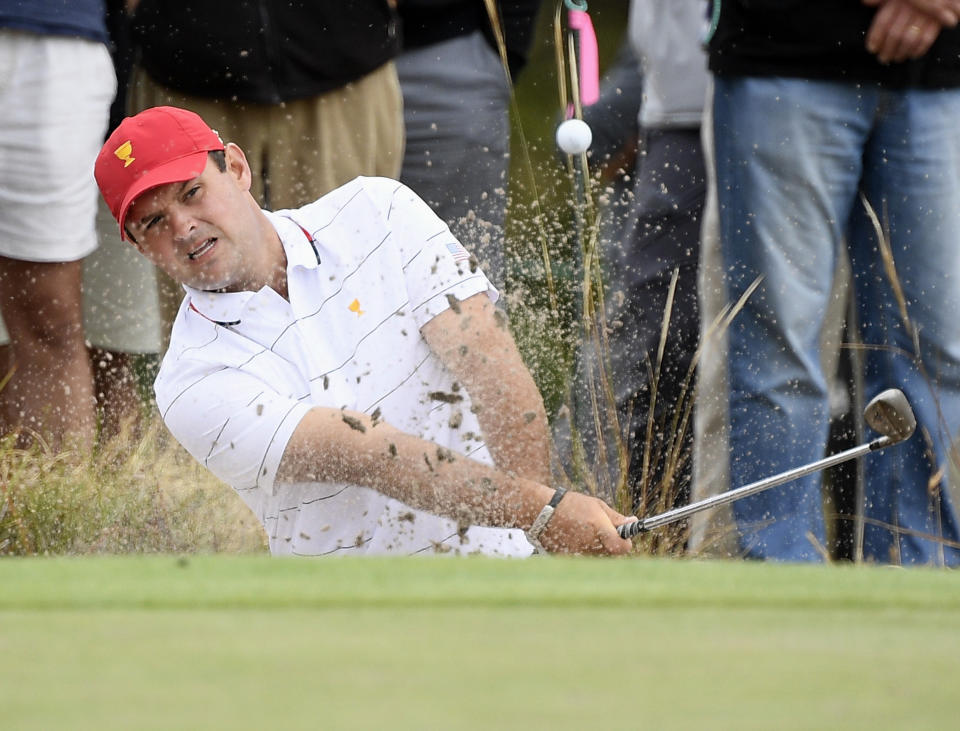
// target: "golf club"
[[888, 413]]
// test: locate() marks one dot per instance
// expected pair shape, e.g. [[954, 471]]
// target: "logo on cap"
[[124, 152]]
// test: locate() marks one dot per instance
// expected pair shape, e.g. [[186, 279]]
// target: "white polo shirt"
[[367, 266]]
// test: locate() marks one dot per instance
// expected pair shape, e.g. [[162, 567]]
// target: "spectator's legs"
[[121, 322], [912, 179], [712, 532], [788, 165], [663, 235], [115, 387], [456, 110], [50, 391], [55, 95]]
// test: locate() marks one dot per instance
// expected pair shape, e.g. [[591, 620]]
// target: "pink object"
[[579, 21]]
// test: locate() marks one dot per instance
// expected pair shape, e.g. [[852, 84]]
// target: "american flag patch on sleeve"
[[458, 252]]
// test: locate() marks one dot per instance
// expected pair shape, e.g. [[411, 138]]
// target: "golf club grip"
[[629, 530]]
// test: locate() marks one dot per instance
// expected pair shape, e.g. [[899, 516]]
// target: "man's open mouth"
[[203, 248]]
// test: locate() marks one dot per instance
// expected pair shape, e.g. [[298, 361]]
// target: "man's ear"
[[237, 165]]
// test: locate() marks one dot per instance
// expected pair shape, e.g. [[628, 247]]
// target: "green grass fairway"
[[222, 642]]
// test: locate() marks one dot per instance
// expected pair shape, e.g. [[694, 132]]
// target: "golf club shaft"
[[628, 530]]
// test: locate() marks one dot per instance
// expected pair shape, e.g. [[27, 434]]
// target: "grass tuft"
[[135, 494]]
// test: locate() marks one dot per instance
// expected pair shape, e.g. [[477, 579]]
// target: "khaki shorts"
[[301, 149]]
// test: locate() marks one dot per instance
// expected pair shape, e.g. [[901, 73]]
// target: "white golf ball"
[[574, 136]]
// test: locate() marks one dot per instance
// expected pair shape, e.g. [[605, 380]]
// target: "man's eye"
[[153, 221], [192, 192]]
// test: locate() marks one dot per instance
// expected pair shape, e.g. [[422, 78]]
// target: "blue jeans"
[[793, 156]]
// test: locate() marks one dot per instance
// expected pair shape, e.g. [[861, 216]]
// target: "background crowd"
[[746, 141]]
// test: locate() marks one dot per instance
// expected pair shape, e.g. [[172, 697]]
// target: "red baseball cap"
[[155, 147]]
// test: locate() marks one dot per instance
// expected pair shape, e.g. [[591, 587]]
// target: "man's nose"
[[183, 225]]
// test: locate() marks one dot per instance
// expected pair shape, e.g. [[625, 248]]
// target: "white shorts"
[[55, 96]]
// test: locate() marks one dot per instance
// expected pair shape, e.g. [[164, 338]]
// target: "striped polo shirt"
[[367, 266]]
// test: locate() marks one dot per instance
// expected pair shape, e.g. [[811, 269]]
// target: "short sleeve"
[[437, 269], [229, 420]]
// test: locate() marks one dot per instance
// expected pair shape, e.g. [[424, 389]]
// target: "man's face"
[[202, 232]]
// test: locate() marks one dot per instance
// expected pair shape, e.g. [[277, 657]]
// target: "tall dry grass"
[[135, 494], [569, 330]]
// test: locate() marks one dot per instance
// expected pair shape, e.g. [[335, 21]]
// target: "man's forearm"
[[341, 446], [474, 342], [514, 425]]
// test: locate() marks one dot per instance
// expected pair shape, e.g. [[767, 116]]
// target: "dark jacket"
[[819, 39], [80, 18], [431, 21], [264, 51]]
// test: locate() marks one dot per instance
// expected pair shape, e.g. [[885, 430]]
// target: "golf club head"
[[890, 414]]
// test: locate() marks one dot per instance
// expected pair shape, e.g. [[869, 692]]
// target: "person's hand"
[[584, 524], [947, 12], [901, 31]]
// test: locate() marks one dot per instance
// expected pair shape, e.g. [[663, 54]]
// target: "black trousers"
[[662, 236]]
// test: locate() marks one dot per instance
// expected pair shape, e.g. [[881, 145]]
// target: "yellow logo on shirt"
[[124, 153], [355, 307]]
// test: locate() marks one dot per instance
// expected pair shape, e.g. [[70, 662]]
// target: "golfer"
[[341, 365]]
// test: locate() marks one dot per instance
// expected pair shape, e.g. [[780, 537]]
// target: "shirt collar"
[[226, 308], [298, 242]]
